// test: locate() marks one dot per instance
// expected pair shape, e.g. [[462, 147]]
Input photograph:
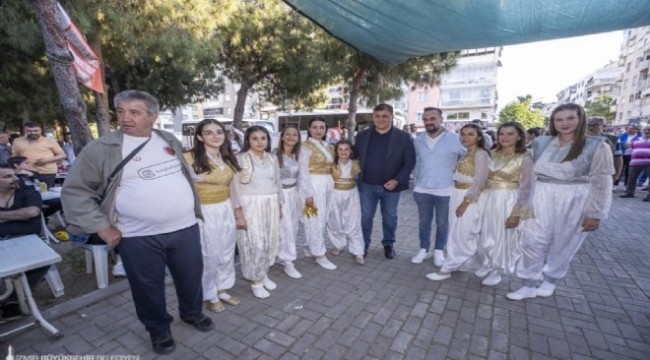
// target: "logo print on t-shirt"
[[169, 150], [159, 170]]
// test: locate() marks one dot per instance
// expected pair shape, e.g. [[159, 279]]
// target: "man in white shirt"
[[149, 210], [437, 151]]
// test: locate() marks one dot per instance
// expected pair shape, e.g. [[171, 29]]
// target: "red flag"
[[86, 64]]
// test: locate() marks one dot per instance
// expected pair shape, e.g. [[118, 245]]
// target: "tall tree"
[[522, 111], [601, 106], [376, 81], [267, 44], [60, 60]]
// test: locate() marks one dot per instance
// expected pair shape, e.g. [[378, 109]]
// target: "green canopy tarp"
[[395, 30]]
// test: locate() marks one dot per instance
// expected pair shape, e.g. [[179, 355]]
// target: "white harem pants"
[[344, 221], [218, 239]]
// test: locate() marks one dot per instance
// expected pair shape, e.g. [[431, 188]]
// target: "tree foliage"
[[522, 111], [268, 46], [601, 106]]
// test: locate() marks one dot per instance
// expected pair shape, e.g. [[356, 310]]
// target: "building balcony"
[[461, 103], [600, 82], [644, 66], [456, 82]]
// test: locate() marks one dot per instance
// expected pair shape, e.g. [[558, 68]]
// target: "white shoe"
[[493, 279], [420, 256], [359, 259], [438, 277], [307, 253], [482, 272], [438, 257], [546, 289], [268, 284], [291, 271], [324, 263], [260, 292], [118, 269], [525, 292]]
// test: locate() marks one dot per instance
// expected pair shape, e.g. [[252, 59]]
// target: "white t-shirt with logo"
[[154, 197]]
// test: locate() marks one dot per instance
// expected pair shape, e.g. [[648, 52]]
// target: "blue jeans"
[[426, 206], [369, 196]]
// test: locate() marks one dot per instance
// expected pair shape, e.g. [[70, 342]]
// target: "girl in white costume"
[[470, 177], [505, 203], [344, 221], [260, 189], [296, 186], [321, 157], [573, 192], [214, 166]]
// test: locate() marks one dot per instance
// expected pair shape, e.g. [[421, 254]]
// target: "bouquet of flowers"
[[310, 211]]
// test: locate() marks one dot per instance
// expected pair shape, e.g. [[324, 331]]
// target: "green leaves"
[[523, 112]]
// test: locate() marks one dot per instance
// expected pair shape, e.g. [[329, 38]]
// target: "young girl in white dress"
[[296, 187], [344, 221], [214, 166], [505, 203], [321, 157], [470, 177], [261, 194]]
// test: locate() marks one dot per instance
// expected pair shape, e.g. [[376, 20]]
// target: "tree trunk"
[[242, 93], [60, 59], [101, 100], [352, 106]]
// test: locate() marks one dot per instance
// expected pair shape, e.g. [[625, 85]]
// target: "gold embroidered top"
[[318, 163], [465, 165], [345, 183], [215, 187], [510, 171], [515, 173]]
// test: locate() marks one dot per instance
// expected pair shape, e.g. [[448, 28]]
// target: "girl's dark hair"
[[579, 136], [336, 150], [521, 143], [201, 160], [279, 152], [481, 142], [314, 119], [533, 131], [252, 129]]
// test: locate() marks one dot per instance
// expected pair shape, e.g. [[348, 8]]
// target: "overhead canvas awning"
[[395, 30]]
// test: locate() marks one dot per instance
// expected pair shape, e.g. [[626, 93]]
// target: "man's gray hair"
[[136, 95], [597, 119]]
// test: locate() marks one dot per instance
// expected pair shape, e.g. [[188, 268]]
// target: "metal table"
[[19, 255]]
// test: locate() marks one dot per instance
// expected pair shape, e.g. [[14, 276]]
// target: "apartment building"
[[469, 91], [604, 81], [633, 102], [419, 98]]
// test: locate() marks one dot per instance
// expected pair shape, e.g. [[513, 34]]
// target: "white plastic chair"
[[54, 280], [97, 254]]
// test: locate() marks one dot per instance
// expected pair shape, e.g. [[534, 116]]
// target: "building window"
[[627, 68], [419, 116], [213, 112], [423, 96], [625, 84], [227, 97], [195, 108], [631, 98], [634, 80], [228, 111], [168, 126], [184, 117], [620, 116], [629, 114], [484, 115]]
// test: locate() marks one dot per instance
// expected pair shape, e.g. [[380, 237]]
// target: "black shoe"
[[200, 322], [163, 344], [365, 250], [627, 195], [389, 252]]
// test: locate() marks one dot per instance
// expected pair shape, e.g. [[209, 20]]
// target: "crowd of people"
[[519, 204]]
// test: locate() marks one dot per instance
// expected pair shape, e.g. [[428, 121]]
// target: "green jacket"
[[87, 179]]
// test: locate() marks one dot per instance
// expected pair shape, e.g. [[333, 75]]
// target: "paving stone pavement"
[[387, 309]]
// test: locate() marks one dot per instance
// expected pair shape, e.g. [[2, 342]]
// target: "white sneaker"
[[525, 292], [438, 257], [493, 279], [291, 271], [482, 272], [546, 289], [268, 284], [324, 263], [438, 277], [118, 269], [260, 292], [420, 256]]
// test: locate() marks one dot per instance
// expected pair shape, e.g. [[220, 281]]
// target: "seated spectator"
[[5, 149], [21, 166], [20, 210]]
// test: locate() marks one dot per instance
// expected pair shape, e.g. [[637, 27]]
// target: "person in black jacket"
[[387, 157]]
